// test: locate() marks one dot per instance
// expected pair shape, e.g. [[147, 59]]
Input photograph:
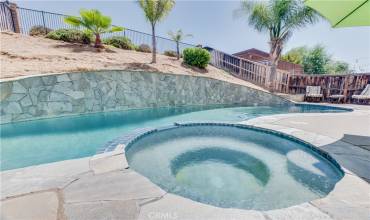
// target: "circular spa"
[[233, 166]]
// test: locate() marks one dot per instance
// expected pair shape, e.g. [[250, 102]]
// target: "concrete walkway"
[[103, 187]]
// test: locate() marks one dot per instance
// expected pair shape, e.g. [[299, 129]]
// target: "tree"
[[178, 36], [295, 55], [337, 67], [94, 22], [155, 11], [279, 18], [316, 60]]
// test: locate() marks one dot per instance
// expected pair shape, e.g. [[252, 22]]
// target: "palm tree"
[[155, 11], [279, 18], [178, 36], [94, 22]]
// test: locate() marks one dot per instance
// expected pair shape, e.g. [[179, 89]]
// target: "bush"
[[70, 35], [144, 48], [170, 53], [197, 57], [120, 42], [39, 30]]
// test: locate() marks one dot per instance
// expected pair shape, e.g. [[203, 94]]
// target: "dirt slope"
[[25, 56]]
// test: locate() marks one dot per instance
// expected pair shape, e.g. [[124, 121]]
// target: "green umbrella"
[[343, 13]]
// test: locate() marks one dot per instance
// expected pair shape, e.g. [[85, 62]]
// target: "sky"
[[212, 23]]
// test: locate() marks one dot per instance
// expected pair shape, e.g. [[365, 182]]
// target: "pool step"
[[124, 139]]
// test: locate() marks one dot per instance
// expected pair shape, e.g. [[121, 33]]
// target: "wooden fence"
[[254, 72], [286, 82], [348, 85]]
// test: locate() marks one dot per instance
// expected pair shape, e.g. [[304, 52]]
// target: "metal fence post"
[[43, 21]]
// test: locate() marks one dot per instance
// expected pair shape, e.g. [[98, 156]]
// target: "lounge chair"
[[313, 93], [338, 98], [364, 96]]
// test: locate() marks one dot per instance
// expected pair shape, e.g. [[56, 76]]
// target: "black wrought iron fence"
[[28, 18]]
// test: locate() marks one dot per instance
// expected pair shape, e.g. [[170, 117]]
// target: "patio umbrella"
[[343, 13]]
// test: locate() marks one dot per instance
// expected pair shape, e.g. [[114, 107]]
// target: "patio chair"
[[338, 98], [364, 96], [313, 93]]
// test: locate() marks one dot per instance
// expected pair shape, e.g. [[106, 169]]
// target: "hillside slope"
[[25, 56]]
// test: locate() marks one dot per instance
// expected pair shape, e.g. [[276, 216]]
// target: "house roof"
[[254, 51]]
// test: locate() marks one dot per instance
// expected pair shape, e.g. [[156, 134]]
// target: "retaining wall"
[[99, 91]]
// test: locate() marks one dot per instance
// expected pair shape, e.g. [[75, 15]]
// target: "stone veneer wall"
[[78, 93]]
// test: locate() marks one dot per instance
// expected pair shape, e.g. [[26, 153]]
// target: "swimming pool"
[[49, 140], [233, 166]]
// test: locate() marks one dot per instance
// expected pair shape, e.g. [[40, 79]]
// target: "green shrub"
[[120, 42], [70, 35], [197, 57], [171, 53], [39, 30], [144, 48]]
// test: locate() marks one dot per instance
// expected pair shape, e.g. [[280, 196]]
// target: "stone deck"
[[103, 186]]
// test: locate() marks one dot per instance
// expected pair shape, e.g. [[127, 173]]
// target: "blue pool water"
[[49, 140], [233, 167]]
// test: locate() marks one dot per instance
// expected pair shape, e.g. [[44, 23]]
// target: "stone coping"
[[103, 186], [129, 139], [115, 70]]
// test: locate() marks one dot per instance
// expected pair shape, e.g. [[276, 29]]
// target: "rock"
[[22, 116], [5, 118], [108, 163], [303, 211], [18, 88], [31, 82], [75, 94], [33, 111], [115, 185], [348, 200], [49, 80], [5, 90], [35, 206], [43, 96], [13, 108], [126, 210], [26, 101], [58, 97], [63, 87], [14, 97], [63, 78], [41, 177], [58, 107], [34, 94], [81, 84], [176, 207], [75, 76]]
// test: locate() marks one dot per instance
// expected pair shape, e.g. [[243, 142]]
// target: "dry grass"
[[26, 56]]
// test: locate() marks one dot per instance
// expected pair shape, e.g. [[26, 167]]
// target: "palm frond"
[[116, 29], [156, 10], [73, 20], [258, 13], [178, 35], [94, 21], [278, 17]]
